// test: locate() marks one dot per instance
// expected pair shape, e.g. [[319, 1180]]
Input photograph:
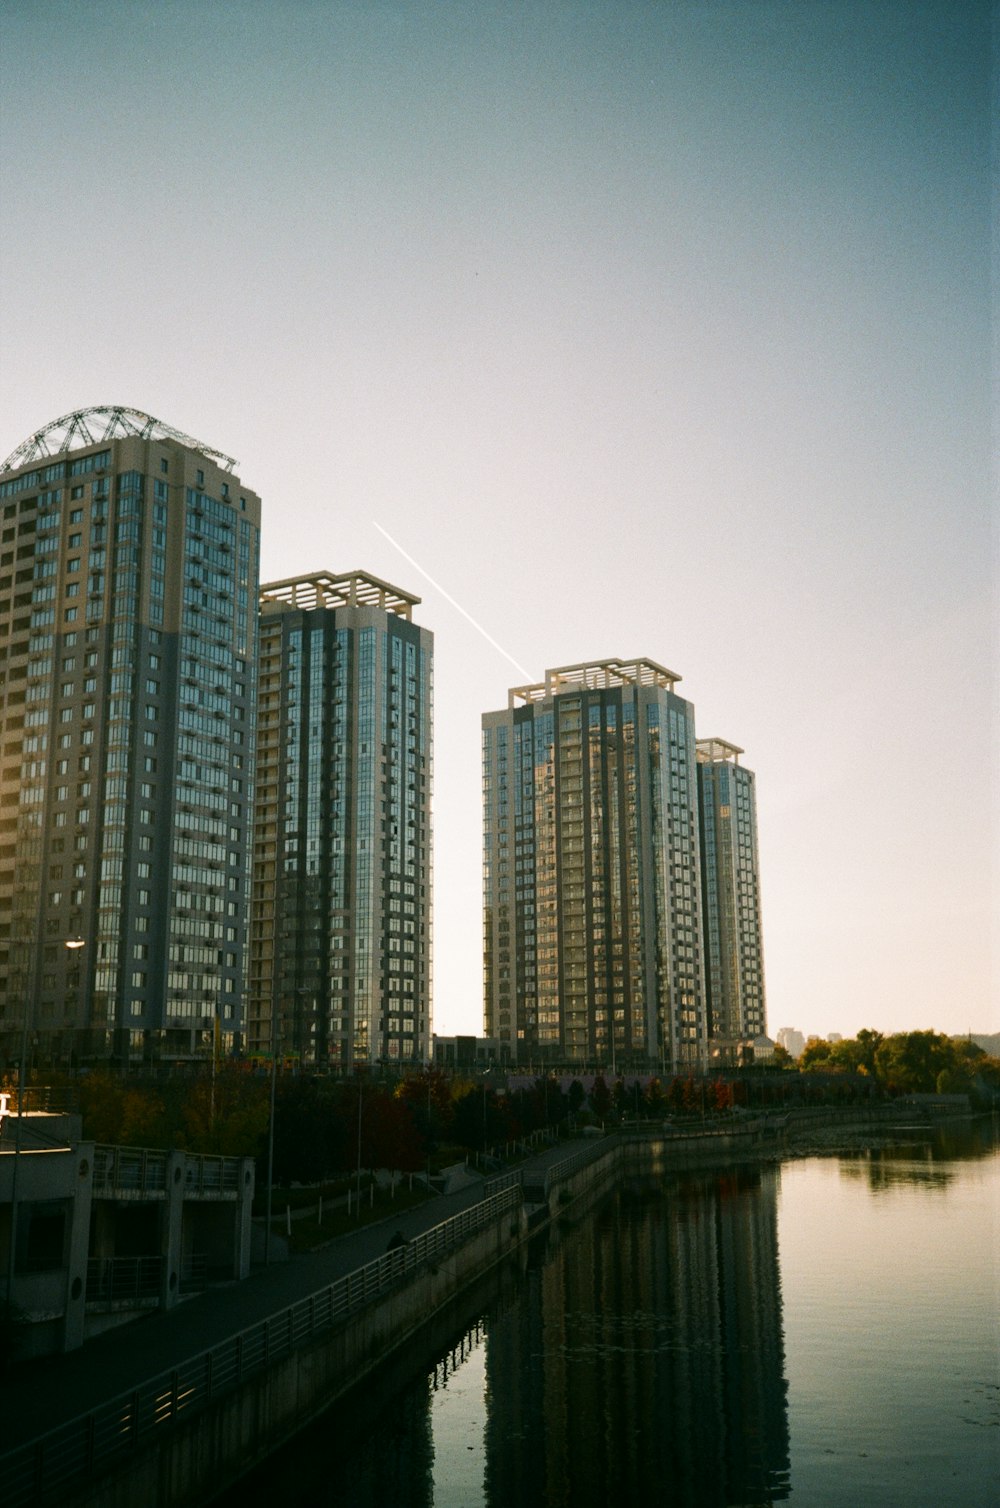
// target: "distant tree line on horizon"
[[429, 1118], [917, 1062]]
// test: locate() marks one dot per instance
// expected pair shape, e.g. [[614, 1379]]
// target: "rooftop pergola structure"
[[95, 426], [716, 751], [349, 589], [595, 675]]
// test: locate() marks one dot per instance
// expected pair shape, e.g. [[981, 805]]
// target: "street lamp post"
[[215, 1050], [357, 1208], [270, 1136]]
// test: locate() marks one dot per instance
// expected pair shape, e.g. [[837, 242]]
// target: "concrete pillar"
[[243, 1225], [79, 1246], [172, 1230]]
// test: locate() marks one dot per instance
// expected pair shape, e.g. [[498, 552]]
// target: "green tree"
[[675, 1094], [315, 1133], [102, 1107], [619, 1096], [477, 1121], [600, 1097], [909, 1062], [656, 1100], [432, 1096], [868, 1042], [815, 1054], [389, 1137], [971, 1072], [144, 1120]]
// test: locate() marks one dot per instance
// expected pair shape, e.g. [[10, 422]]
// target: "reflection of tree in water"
[[974, 1141], [928, 1162], [886, 1168]]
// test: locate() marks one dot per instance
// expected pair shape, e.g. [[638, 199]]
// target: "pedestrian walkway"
[[36, 1396]]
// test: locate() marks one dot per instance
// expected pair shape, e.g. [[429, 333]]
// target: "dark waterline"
[[825, 1330]]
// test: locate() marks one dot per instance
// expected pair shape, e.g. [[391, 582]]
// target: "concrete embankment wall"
[[198, 1460], [778, 1134]]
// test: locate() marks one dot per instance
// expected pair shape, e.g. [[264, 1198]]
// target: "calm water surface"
[[826, 1331]]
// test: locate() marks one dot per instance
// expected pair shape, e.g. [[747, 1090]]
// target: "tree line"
[[917, 1062], [325, 1127]]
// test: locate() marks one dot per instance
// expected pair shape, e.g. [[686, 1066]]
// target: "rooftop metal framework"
[[595, 675], [351, 589], [716, 751], [95, 426]]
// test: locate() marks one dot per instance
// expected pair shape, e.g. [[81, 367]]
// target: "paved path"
[[37, 1396]]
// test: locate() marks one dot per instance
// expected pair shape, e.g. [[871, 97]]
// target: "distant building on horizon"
[[592, 885], [730, 877], [791, 1039], [341, 918]]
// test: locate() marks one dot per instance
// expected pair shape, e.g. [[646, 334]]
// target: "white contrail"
[[456, 605]]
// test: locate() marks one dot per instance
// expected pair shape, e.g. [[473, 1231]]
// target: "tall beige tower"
[[128, 591]]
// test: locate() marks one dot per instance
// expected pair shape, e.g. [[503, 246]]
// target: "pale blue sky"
[[654, 329]]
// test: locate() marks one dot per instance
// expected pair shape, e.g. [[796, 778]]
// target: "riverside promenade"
[[38, 1396]]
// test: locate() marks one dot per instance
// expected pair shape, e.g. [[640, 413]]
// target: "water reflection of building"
[[646, 1356]]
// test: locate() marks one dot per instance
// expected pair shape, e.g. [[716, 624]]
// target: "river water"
[[825, 1331]]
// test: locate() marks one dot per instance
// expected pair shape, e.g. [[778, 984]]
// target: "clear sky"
[[651, 329]]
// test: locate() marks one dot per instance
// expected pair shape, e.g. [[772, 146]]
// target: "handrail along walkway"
[[44, 1470]]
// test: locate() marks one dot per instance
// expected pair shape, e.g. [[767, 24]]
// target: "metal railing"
[[49, 1468], [129, 1169], [567, 1166], [120, 1280], [51, 1099], [194, 1273], [501, 1181], [692, 1130], [212, 1175], [143, 1170]]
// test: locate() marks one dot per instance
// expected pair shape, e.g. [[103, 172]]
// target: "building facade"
[[102, 1234], [591, 874], [128, 589], [342, 896], [730, 873]]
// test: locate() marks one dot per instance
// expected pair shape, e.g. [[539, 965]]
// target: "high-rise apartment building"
[[592, 905], [128, 594], [791, 1039], [341, 918], [730, 873]]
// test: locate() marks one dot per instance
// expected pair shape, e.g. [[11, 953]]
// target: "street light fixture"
[[74, 947], [270, 1135]]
